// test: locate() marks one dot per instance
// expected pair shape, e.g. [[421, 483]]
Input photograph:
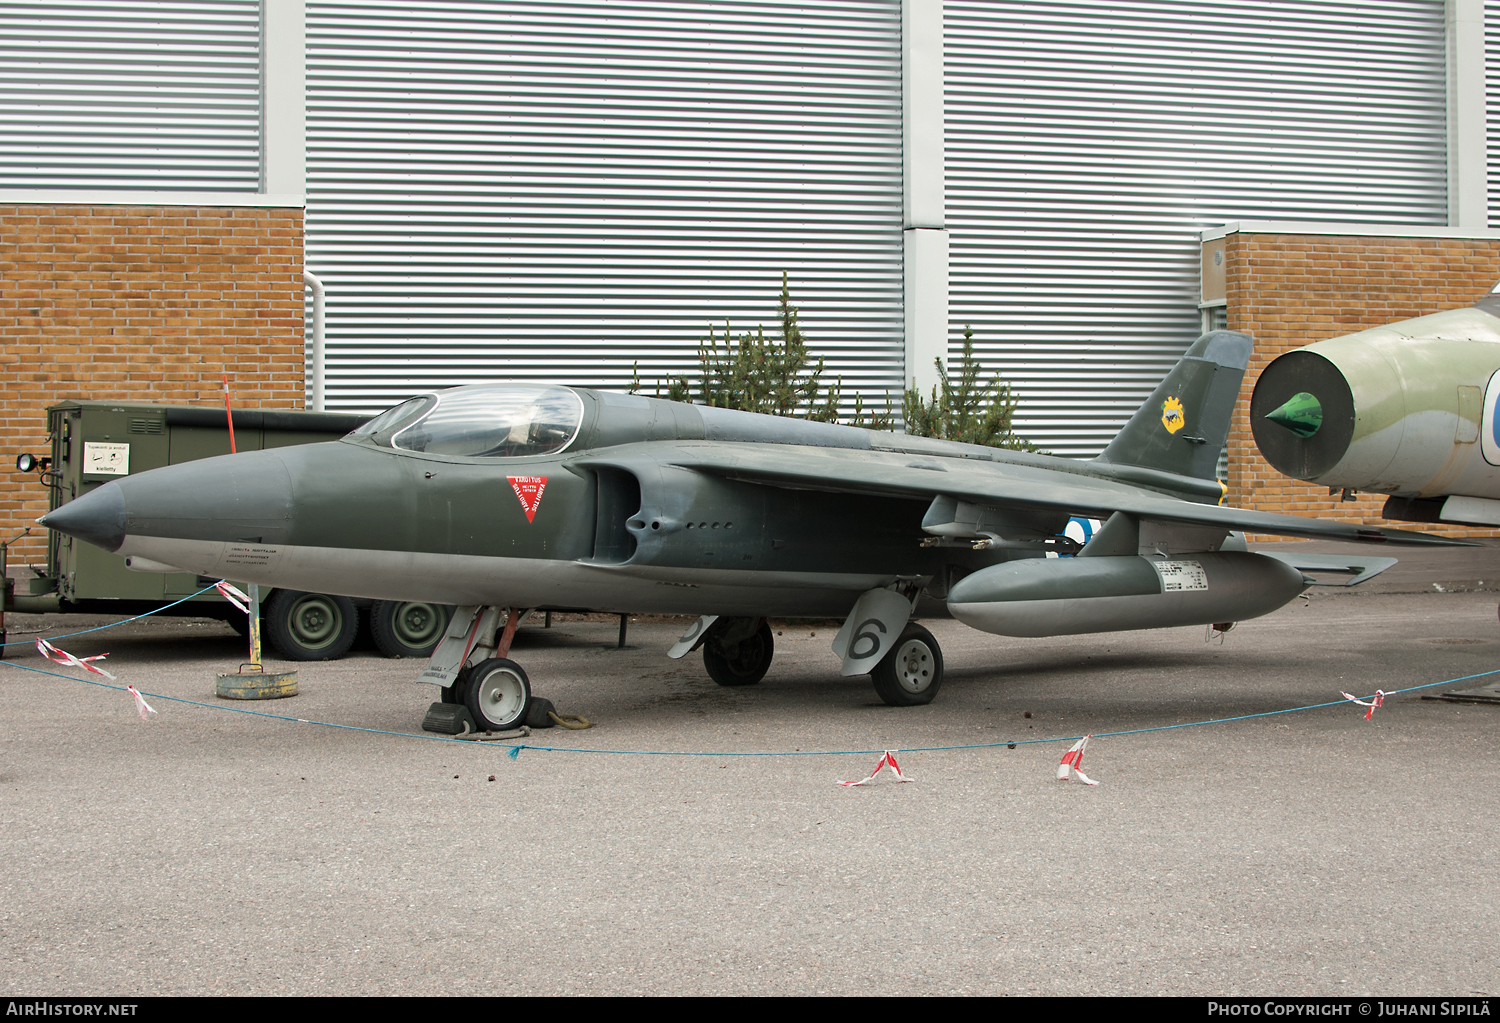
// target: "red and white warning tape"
[[1072, 759], [887, 762], [144, 709], [52, 653], [1374, 704], [234, 595]]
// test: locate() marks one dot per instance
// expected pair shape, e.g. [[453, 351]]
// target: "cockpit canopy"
[[481, 421]]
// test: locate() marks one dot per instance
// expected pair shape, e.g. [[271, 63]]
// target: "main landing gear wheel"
[[407, 628], [496, 692], [738, 651], [910, 674], [310, 626]]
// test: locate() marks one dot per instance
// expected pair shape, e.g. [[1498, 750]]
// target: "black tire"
[[239, 623], [911, 672], [740, 664], [310, 626], [497, 693], [456, 692], [408, 628]]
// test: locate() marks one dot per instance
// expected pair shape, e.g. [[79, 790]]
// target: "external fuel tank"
[[1070, 596]]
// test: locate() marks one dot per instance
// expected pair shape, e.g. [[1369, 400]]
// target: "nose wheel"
[[496, 691], [911, 673]]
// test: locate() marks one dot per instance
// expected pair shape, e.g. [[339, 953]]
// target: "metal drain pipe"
[[314, 400]]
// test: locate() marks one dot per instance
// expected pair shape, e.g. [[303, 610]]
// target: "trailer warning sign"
[[101, 459]]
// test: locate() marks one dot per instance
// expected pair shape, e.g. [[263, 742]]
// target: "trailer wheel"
[[408, 628], [310, 626]]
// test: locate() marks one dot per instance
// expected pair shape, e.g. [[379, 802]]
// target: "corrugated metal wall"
[[1492, 106], [110, 94], [1089, 142], [560, 189], [557, 190]]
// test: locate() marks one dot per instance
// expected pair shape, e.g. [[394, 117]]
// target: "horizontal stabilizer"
[[1360, 568]]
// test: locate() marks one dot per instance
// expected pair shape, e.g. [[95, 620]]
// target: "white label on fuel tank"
[[106, 459], [1180, 575]]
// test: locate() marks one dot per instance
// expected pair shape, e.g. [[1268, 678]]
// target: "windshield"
[[393, 419], [484, 421]]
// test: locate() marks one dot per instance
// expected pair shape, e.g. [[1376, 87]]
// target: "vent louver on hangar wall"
[[112, 95], [557, 191], [1492, 106], [1090, 142]]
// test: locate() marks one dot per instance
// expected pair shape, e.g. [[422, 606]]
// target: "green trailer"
[[93, 442]]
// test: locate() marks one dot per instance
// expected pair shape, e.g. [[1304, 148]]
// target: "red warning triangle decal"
[[529, 490]]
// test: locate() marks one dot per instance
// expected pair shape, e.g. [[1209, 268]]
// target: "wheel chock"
[[449, 719], [537, 710]]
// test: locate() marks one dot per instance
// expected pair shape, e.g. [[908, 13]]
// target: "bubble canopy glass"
[[482, 421]]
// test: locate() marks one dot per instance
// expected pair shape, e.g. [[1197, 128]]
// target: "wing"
[[1000, 484]]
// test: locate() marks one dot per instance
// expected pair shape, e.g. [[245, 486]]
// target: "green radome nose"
[[1301, 414]]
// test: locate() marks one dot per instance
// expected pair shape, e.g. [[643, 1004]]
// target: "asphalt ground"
[[208, 851]]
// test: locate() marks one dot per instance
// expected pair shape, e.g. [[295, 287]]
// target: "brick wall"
[[140, 304], [1288, 291]]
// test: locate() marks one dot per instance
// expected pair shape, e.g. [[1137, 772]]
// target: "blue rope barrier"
[[111, 625], [514, 749]]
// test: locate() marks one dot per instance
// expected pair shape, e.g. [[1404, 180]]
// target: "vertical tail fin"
[[1183, 425]]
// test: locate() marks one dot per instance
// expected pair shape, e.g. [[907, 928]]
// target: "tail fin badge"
[[1172, 415]]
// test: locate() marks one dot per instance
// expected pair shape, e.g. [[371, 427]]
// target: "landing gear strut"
[[738, 651]]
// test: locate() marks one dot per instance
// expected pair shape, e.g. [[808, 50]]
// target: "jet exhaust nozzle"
[[1302, 414]]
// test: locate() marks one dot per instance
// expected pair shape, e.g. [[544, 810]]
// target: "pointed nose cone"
[[244, 497], [97, 517], [1301, 413], [232, 497]]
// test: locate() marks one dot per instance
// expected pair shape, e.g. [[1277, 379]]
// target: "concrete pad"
[[212, 851]]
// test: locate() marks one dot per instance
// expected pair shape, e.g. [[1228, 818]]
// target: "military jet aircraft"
[[1407, 409], [504, 498]]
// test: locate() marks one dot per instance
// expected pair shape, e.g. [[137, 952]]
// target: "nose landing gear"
[[471, 666]]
